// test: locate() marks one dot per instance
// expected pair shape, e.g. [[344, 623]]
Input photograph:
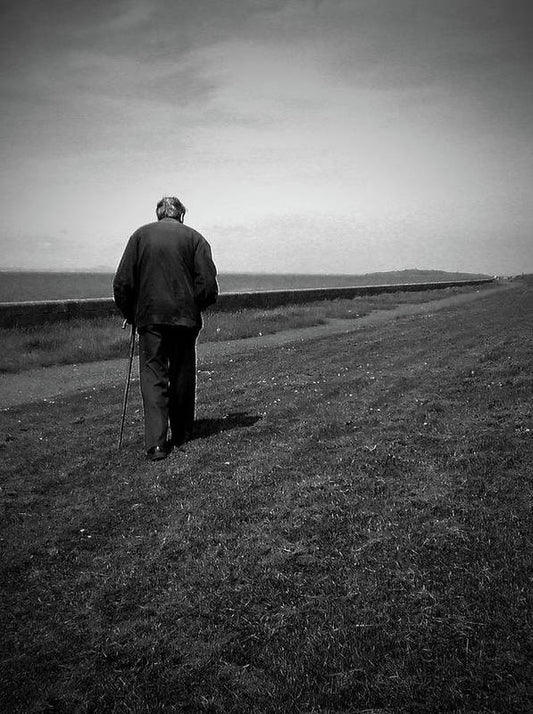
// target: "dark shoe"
[[156, 453]]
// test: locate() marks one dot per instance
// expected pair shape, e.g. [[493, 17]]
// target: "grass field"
[[348, 532], [81, 341]]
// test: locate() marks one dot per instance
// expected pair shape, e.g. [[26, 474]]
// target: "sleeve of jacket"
[[205, 275], [125, 281]]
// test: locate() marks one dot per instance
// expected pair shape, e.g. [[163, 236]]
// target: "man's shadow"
[[204, 428]]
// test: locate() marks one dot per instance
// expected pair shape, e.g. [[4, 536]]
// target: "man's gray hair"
[[170, 207]]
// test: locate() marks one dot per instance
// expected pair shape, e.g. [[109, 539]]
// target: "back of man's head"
[[170, 207]]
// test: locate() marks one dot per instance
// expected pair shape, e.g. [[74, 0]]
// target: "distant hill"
[[414, 275]]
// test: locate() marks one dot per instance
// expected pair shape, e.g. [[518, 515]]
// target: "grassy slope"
[[350, 533]]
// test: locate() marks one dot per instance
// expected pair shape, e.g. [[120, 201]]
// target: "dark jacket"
[[166, 276]]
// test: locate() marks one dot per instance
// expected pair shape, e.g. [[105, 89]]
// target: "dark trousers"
[[167, 361]]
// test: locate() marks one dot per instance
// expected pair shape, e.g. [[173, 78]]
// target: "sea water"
[[23, 286]]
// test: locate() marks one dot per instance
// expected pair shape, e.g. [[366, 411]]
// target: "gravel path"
[[49, 383]]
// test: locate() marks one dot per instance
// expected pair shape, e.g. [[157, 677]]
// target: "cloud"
[[129, 14]]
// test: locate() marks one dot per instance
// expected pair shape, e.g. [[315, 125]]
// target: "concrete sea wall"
[[27, 314]]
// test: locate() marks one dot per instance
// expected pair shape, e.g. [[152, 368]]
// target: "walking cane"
[[128, 379]]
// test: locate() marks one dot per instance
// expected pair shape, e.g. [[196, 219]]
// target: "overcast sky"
[[333, 136]]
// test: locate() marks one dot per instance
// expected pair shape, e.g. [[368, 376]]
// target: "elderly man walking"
[[164, 281]]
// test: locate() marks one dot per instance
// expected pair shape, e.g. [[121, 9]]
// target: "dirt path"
[[49, 383]]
